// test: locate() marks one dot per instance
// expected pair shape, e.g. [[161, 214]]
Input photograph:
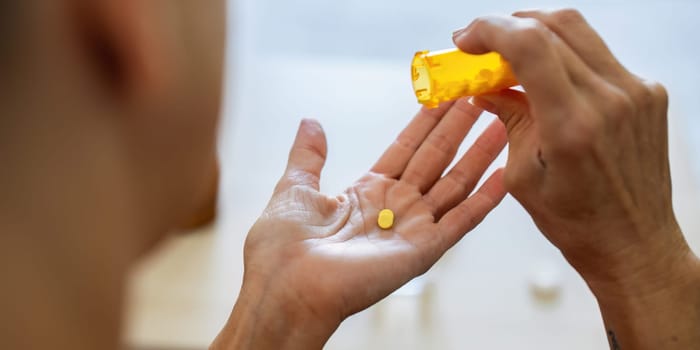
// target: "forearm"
[[261, 320], [657, 309]]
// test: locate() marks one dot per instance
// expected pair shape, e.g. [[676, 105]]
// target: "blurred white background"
[[346, 63]]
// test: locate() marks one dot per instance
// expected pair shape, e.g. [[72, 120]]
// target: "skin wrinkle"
[[441, 143], [478, 146], [407, 142], [346, 218], [416, 173], [299, 178], [332, 230], [432, 203], [359, 205], [467, 109], [412, 143], [309, 305], [467, 209], [398, 210], [461, 181]]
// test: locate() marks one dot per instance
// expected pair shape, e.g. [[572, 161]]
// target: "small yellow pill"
[[386, 219]]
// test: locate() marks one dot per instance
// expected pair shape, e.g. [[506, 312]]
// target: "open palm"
[[328, 253]]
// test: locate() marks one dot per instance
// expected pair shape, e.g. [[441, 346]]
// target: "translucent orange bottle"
[[450, 74]]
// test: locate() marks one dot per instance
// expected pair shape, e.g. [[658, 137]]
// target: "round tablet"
[[386, 219]]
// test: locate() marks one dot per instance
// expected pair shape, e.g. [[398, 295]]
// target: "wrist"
[[642, 271], [265, 319], [654, 310]]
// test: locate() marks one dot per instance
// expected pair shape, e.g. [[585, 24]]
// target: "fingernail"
[[458, 32], [311, 123]]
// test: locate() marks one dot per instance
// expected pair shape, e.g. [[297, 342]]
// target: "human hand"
[[589, 155], [312, 260], [589, 161]]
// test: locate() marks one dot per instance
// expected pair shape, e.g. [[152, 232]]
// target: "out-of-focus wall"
[[654, 38]]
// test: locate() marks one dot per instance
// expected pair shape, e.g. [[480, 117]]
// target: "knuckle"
[[434, 114], [461, 179], [467, 212], [648, 95], [408, 142], [414, 173], [640, 94], [619, 105], [483, 151], [313, 150], [430, 200], [480, 23], [442, 143], [532, 35], [515, 121], [580, 135], [659, 94], [567, 16], [467, 109]]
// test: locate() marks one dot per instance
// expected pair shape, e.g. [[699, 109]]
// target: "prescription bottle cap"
[[420, 74]]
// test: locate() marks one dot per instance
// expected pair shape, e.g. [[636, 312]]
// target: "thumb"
[[525, 164], [511, 106], [307, 157]]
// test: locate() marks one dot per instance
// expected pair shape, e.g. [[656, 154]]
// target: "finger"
[[550, 106], [307, 157], [459, 183], [395, 159], [467, 215], [573, 28], [530, 48], [440, 147], [526, 164], [510, 106]]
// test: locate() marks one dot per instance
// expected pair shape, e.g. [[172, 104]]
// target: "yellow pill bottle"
[[447, 75]]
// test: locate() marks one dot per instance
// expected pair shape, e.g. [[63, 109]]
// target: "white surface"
[[291, 60]]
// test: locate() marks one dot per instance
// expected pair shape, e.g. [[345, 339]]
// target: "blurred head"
[[109, 110]]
